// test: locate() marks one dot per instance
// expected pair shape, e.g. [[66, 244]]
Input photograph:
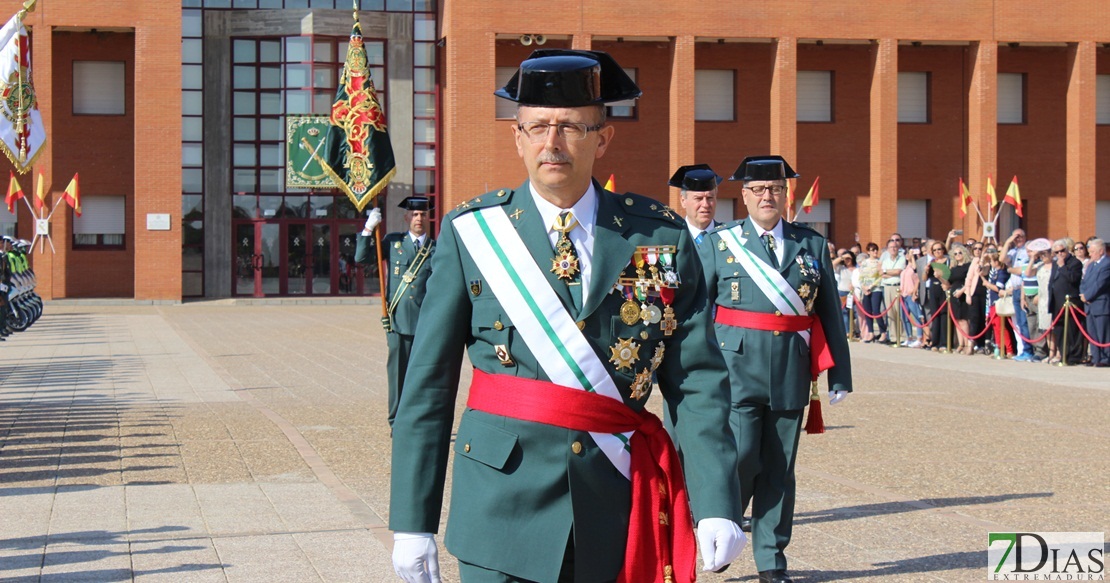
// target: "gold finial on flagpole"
[[355, 3], [29, 6]]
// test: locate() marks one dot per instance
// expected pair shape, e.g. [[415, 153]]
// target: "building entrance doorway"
[[299, 257]]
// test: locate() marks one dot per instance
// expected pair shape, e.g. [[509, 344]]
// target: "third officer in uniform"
[[778, 324], [407, 269]]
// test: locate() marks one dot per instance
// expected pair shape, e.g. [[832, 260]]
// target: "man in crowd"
[[1063, 286], [407, 270], [527, 280], [778, 323], [1095, 292], [698, 196], [1015, 257], [892, 262]]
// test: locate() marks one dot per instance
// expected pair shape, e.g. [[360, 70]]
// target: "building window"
[[913, 218], [815, 96], [623, 109], [99, 88], [101, 224], [714, 95], [913, 97], [7, 222], [1011, 98], [505, 109], [1102, 99]]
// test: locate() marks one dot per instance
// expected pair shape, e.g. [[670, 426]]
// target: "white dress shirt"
[[694, 231], [417, 241], [582, 235]]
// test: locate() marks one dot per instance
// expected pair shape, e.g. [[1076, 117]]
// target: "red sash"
[[820, 357], [660, 544]]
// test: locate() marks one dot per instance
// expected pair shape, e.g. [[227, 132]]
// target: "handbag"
[[1004, 306]]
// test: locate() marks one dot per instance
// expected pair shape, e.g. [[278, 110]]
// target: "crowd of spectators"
[[1008, 300]]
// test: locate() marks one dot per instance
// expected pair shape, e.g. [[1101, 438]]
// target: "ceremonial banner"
[[305, 138], [22, 134], [358, 155]]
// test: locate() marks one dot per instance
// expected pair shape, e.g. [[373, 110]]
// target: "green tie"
[[769, 242]]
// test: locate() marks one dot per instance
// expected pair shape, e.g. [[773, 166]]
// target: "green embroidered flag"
[[358, 155]]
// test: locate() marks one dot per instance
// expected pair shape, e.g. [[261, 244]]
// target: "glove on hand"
[[415, 557], [373, 219], [721, 541]]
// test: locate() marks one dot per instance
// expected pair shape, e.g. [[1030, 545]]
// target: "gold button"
[[778, 313], [498, 325], [466, 448], [576, 447], [644, 334], [776, 333], [581, 324], [628, 202], [479, 199], [722, 345], [500, 193]]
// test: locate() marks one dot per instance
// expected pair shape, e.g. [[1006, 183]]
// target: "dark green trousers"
[[400, 347], [475, 574], [768, 445]]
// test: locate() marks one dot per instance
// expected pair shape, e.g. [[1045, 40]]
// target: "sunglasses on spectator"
[[977, 248], [1059, 251], [1079, 248], [935, 249]]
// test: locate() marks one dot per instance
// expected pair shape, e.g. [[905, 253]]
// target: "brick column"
[[1079, 214], [466, 119], [50, 268], [581, 42], [681, 115], [884, 141], [784, 100], [982, 130]]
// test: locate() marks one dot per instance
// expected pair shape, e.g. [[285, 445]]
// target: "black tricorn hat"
[[568, 78], [699, 177], [764, 168], [416, 203]]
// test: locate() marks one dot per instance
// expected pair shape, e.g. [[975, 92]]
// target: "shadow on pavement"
[[885, 508]]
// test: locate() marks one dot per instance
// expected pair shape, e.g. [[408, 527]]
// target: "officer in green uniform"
[[778, 324], [407, 270], [568, 298], [5, 285]]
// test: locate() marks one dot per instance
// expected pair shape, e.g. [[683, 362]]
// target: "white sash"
[[541, 320], [766, 278]]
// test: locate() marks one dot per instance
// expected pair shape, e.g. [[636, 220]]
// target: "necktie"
[[769, 242], [699, 238], [565, 263]]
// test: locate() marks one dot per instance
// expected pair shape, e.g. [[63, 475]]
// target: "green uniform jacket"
[[520, 487], [761, 362], [401, 252]]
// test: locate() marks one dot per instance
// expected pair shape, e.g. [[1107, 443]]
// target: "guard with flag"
[[406, 275], [778, 324], [571, 302]]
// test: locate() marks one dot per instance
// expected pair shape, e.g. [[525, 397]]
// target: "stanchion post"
[[898, 321], [948, 320], [1066, 313], [852, 321]]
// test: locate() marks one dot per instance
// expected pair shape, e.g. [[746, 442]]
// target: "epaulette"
[[724, 226], [643, 206], [805, 227], [491, 198]]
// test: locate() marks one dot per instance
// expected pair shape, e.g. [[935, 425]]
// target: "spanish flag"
[[991, 193], [15, 192], [965, 198], [812, 196], [40, 194], [1013, 196], [611, 184], [72, 195]]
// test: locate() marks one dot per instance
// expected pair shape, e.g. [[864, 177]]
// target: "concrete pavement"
[[216, 442]]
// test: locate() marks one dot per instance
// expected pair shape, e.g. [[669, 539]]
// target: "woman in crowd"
[[871, 280], [845, 272], [1079, 250], [863, 326], [1044, 315], [936, 284], [976, 297], [995, 281], [909, 283], [960, 263]]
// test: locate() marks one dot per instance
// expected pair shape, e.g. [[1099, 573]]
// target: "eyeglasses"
[[1079, 248], [935, 249], [976, 248], [896, 239], [958, 254], [1059, 251], [759, 189], [537, 131]]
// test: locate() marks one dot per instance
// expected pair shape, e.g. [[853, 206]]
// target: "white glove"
[[721, 541], [837, 396], [415, 557], [373, 219]]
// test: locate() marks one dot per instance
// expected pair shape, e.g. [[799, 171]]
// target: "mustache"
[[553, 158]]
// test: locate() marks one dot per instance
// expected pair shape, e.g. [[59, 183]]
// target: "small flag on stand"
[[359, 156], [811, 197], [40, 192], [15, 192], [965, 198], [1013, 196], [991, 193], [611, 184], [72, 195]]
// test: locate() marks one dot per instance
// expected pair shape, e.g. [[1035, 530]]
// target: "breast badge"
[[624, 353], [650, 280]]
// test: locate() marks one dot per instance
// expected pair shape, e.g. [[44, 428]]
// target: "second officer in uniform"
[[408, 265]]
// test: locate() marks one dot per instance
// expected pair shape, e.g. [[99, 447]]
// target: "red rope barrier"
[[1075, 319], [859, 305], [987, 327], [1038, 338]]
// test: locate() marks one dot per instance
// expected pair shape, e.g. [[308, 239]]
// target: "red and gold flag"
[[40, 192], [72, 195], [15, 192], [611, 184], [965, 198], [811, 197], [1013, 196]]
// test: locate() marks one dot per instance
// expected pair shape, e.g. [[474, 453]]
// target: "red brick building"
[[174, 116]]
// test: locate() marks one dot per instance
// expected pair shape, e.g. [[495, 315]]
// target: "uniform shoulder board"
[[491, 198], [804, 227], [725, 226], [640, 205]]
